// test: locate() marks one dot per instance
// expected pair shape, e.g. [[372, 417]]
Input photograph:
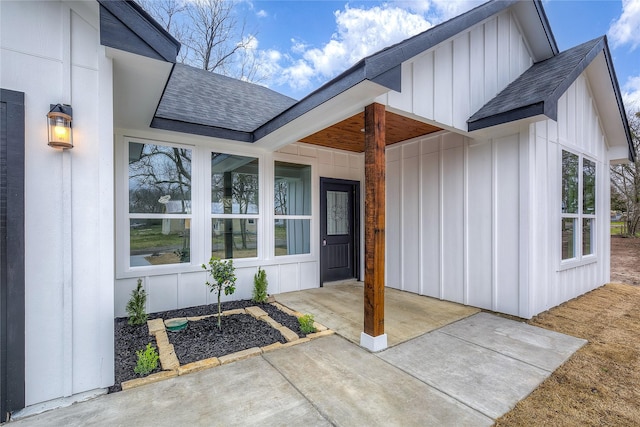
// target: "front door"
[[339, 229]]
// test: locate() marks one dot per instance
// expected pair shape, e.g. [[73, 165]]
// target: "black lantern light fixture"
[[59, 126]]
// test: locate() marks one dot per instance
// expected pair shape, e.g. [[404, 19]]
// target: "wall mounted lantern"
[[59, 126]]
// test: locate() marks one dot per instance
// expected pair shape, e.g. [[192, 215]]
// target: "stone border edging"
[[171, 365]]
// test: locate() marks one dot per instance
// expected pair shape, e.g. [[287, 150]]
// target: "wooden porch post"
[[373, 336]]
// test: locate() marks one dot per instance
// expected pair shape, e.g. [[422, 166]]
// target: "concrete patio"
[[467, 369], [340, 308]]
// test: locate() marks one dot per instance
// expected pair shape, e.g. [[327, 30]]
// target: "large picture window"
[[578, 206], [234, 206], [180, 204], [292, 208], [159, 204]]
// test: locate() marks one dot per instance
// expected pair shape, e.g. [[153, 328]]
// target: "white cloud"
[[298, 76], [359, 33], [298, 46], [631, 94], [625, 29], [262, 13]]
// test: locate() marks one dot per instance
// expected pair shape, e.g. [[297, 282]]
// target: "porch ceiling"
[[348, 134]]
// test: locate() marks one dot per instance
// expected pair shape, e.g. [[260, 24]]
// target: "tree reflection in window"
[[569, 182], [588, 187], [157, 171]]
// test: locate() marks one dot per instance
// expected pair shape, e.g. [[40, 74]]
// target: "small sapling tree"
[[224, 278], [135, 306], [260, 286]]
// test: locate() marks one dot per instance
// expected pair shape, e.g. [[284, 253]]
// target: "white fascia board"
[[336, 109], [138, 84]]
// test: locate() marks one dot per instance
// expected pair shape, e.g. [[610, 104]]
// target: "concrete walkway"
[[464, 374]]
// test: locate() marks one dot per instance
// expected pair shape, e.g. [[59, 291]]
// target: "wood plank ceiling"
[[348, 134]]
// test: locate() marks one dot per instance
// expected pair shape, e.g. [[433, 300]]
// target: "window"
[[234, 206], [180, 204], [159, 204], [578, 206], [292, 208]]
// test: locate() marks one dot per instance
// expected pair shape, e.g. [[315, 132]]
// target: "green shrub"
[[135, 306], [260, 286], [224, 277], [306, 324], [147, 360]]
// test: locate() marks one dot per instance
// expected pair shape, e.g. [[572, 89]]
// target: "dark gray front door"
[[339, 229]]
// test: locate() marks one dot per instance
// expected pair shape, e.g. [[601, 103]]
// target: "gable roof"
[[203, 103], [383, 68], [538, 89], [210, 104]]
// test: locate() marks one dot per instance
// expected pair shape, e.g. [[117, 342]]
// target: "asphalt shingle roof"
[[197, 96], [538, 89]]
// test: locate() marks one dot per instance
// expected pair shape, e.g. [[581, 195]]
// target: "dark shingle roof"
[[223, 104], [226, 108], [538, 89]]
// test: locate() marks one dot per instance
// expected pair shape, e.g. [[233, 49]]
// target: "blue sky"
[[305, 43]]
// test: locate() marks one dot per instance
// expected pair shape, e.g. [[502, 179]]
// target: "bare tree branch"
[[212, 38]]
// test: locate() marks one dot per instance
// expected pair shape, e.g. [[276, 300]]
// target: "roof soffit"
[[613, 119], [536, 29]]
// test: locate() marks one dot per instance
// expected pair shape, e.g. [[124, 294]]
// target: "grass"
[[617, 228]]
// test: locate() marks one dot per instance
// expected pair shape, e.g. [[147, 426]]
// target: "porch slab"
[[340, 308]]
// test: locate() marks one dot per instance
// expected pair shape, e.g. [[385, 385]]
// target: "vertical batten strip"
[[67, 230]]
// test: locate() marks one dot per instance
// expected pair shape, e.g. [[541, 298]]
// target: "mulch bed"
[[201, 339]]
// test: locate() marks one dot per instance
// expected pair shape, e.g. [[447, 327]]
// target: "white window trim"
[[580, 259]]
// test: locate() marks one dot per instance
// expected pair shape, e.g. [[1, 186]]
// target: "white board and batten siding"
[[578, 130], [453, 219], [51, 53], [284, 273], [453, 80]]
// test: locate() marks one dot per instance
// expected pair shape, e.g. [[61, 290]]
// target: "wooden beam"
[[374, 207]]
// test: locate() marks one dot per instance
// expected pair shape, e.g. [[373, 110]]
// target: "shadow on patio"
[[340, 307]]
